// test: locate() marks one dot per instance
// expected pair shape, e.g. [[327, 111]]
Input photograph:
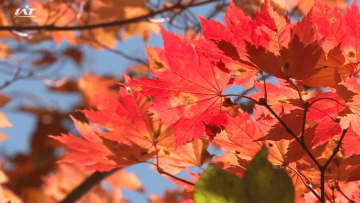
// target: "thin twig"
[[325, 98], [343, 194], [15, 78], [161, 171], [297, 89], [333, 193], [306, 182]]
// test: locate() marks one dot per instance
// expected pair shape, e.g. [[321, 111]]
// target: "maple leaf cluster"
[[308, 118], [299, 105]]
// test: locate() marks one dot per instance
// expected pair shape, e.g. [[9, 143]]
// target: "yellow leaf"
[[4, 122], [125, 180]]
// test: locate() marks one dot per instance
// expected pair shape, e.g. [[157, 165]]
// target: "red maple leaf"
[[188, 91]]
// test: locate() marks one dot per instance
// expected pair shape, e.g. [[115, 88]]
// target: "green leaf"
[[263, 183], [217, 185], [266, 183]]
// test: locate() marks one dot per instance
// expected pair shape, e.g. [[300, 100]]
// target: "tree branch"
[[336, 150], [306, 108], [17, 76], [86, 185], [263, 103], [108, 24], [324, 167]]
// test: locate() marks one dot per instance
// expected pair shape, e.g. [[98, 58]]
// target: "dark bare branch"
[[109, 24], [86, 185]]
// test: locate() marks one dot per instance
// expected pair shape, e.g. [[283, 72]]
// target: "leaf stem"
[[161, 171], [241, 96], [175, 177], [297, 89]]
